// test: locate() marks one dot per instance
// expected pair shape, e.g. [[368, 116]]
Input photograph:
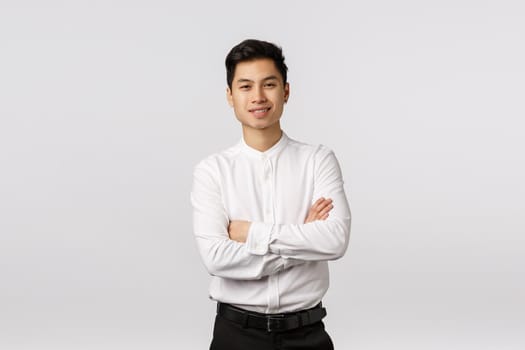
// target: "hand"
[[319, 210], [238, 230]]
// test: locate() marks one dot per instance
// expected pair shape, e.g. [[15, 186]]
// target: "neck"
[[262, 139]]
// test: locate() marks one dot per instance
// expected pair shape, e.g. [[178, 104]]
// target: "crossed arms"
[[251, 250], [238, 229]]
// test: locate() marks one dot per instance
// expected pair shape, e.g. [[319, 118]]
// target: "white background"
[[106, 106]]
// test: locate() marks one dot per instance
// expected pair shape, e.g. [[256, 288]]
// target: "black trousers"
[[232, 336]]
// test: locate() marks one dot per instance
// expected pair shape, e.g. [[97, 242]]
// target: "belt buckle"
[[274, 323]]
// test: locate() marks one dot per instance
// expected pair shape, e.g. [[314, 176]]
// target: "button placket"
[[267, 188]]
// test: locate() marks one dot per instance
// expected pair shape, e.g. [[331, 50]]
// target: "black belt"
[[271, 322]]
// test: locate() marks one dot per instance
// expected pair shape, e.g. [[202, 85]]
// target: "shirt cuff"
[[258, 238]]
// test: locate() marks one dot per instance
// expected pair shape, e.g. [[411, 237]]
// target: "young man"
[[268, 214]]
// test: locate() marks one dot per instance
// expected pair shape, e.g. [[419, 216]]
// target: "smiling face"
[[258, 94]]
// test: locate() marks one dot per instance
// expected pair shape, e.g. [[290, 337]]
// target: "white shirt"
[[283, 266]]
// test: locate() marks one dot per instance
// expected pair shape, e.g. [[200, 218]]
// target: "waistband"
[[271, 322]]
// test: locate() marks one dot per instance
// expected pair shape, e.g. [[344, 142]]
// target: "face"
[[258, 94]]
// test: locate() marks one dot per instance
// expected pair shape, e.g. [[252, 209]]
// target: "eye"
[[244, 87], [270, 85]]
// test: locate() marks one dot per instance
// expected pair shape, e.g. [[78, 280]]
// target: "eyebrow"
[[243, 80]]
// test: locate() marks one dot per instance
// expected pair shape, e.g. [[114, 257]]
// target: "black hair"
[[252, 49]]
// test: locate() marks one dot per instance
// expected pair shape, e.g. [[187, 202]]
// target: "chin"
[[258, 126]]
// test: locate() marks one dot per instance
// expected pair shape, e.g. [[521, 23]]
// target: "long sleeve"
[[221, 256], [314, 241]]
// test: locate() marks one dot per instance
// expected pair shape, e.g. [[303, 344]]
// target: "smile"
[[259, 112]]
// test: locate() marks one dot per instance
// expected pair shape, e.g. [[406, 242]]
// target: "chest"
[[277, 190]]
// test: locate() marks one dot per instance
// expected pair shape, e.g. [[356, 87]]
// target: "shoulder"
[[316, 151], [211, 163], [322, 158]]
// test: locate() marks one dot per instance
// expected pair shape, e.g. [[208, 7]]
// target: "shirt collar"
[[269, 152]]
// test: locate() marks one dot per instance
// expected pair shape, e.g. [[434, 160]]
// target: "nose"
[[258, 95]]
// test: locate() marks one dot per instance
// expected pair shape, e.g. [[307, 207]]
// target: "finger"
[[323, 213], [323, 205], [318, 202], [315, 210], [312, 215], [326, 209]]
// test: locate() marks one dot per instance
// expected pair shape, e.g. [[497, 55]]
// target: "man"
[[268, 214]]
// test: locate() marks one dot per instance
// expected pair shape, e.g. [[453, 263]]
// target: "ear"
[[286, 92], [229, 96]]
